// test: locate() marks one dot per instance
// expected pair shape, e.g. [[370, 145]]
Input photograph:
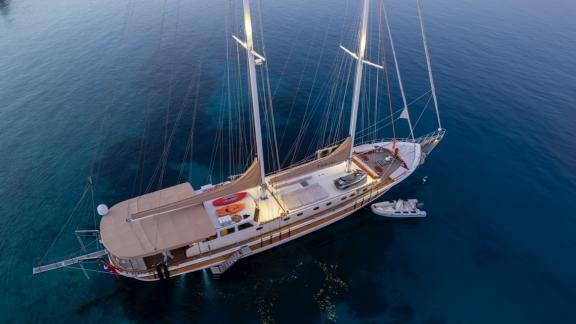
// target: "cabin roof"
[[153, 235]]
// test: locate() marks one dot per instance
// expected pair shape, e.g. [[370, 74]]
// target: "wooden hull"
[[273, 239]]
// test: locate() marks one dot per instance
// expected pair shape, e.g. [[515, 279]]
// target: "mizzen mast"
[[359, 56], [252, 55]]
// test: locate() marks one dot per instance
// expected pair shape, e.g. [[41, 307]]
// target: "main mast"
[[359, 56], [251, 54]]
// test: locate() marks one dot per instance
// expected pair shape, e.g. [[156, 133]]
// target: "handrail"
[[419, 140]]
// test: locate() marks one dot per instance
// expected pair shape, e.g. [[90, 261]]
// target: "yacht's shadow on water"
[[149, 301], [302, 281], [4, 7]]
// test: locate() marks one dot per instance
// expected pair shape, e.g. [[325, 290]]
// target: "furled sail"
[[340, 154], [249, 179]]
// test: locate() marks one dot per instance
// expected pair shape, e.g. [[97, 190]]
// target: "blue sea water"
[[86, 88]]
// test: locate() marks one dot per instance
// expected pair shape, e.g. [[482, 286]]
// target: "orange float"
[[228, 210]]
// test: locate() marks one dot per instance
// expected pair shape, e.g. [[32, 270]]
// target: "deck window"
[[244, 226], [328, 204], [245, 216], [316, 208], [299, 214], [213, 237], [352, 195], [259, 228], [287, 218], [343, 198], [227, 231]]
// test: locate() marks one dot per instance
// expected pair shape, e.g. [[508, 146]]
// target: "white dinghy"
[[399, 209]]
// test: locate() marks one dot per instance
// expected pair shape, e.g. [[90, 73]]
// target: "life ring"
[[229, 210], [230, 199], [236, 218]]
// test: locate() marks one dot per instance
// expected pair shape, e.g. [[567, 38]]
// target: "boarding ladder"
[[76, 260], [219, 269], [69, 262]]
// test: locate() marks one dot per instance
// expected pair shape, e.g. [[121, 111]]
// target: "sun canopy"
[[153, 235], [249, 179]]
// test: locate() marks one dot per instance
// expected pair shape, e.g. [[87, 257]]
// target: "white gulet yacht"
[[178, 230]]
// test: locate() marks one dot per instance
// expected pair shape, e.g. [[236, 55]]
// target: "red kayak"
[[230, 199]]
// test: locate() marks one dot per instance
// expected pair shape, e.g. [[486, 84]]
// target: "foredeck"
[[380, 161]]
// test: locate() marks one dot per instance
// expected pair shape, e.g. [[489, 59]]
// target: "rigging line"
[[190, 144], [422, 113], [323, 135], [385, 65], [99, 146], [164, 157], [217, 142], [342, 105], [168, 141], [102, 134], [397, 112], [353, 30], [329, 89], [157, 50], [376, 98], [184, 104], [381, 121], [86, 187], [141, 155], [287, 122], [231, 138], [397, 70], [129, 12], [288, 58], [86, 269], [335, 96], [428, 64], [170, 95], [94, 208], [268, 90], [218, 148], [70, 255], [303, 130]]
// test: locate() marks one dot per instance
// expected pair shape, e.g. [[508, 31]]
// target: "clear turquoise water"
[[498, 246]]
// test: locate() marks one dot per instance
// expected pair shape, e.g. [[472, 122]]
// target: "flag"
[[404, 113]]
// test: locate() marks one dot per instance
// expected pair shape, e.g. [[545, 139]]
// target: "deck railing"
[[437, 134]]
